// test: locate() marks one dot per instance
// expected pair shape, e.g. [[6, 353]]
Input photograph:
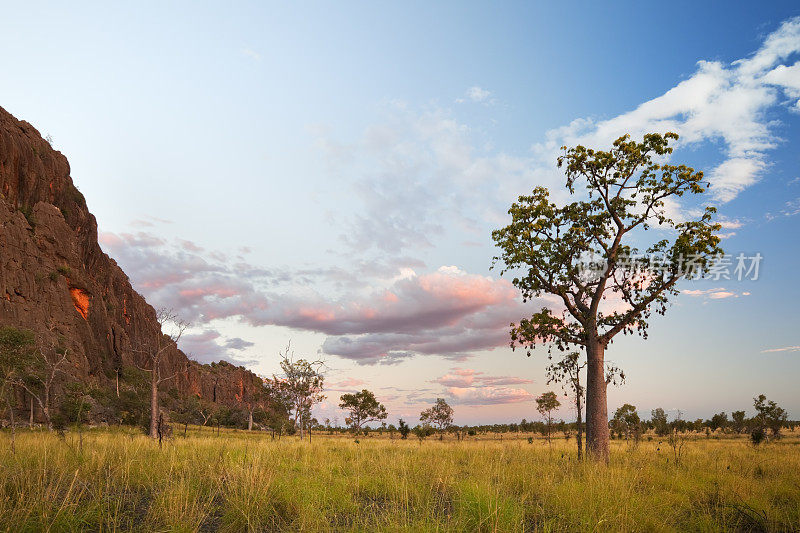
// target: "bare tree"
[[301, 385], [154, 350], [567, 371]]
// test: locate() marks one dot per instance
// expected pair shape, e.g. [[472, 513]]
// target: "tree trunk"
[[154, 403], [30, 422], [46, 408], [250, 420], [579, 436], [596, 403], [300, 418]]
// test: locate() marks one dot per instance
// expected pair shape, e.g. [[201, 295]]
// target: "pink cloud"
[[447, 312], [467, 377], [489, 395], [467, 386], [345, 385], [719, 293]]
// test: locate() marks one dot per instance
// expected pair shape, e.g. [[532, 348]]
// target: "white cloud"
[[475, 94], [252, 54], [789, 79], [725, 102]]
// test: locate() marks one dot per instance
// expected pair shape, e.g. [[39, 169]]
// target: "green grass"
[[240, 481]]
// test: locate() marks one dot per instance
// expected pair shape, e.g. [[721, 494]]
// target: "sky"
[[329, 174]]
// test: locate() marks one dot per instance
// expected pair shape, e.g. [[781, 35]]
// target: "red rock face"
[[55, 279]]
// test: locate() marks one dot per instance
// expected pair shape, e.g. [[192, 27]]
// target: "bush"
[[758, 436], [27, 211]]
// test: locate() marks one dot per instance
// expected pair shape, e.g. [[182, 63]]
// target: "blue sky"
[[331, 174]]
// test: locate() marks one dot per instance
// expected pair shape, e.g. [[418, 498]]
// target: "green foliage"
[[659, 421], [403, 429], [440, 415], [64, 270], [738, 421], [27, 211], [422, 431], [547, 245], [74, 408], [363, 407], [16, 356], [626, 421], [758, 435], [132, 408], [547, 402], [300, 387], [718, 421], [770, 415]]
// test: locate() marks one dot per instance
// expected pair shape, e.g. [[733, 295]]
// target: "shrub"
[[758, 436], [27, 211]]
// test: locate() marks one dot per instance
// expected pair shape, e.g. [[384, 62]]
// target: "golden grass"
[[240, 481]]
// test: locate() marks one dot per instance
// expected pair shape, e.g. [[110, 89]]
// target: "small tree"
[[546, 404], [301, 386], [718, 421], [567, 371], [16, 357], [44, 368], [363, 408], [628, 190], [626, 421], [403, 429], [769, 415], [738, 421], [187, 411], [659, 420], [677, 439], [440, 416]]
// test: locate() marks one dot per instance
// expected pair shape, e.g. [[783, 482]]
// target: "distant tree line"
[[35, 388]]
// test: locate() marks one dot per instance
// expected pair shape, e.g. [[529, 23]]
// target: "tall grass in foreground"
[[240, 481]]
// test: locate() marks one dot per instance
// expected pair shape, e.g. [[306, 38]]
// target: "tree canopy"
[[363, 407]]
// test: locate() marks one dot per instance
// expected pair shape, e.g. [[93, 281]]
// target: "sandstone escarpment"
[[56, 280]]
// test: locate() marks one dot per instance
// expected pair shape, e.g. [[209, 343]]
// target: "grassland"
[[117, 479]]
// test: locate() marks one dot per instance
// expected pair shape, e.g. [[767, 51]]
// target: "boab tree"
[[628, 191], [363, 407]]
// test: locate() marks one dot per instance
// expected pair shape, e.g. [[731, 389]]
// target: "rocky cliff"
[[56, 280]]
